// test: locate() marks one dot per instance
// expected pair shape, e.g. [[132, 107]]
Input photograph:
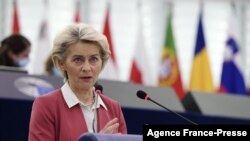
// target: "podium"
[[109, 137]]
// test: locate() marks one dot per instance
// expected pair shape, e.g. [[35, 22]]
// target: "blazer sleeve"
[[42, 126], [122, 127]]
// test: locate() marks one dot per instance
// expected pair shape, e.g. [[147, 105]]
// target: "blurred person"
[[14, 51], [50, 68], [80, 53]]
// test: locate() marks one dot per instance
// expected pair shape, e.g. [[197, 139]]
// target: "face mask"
[[23, 62]]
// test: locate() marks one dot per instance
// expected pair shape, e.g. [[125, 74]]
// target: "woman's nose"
[[86, 66]]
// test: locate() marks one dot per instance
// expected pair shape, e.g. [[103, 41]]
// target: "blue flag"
[[232, 80]]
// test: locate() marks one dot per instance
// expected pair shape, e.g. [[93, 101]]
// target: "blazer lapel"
[[78, 119], [102, 117]]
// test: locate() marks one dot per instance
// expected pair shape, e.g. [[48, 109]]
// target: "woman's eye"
[[77, 60], [93, 59]]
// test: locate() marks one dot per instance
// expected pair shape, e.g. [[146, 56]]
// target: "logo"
[[32, 86]]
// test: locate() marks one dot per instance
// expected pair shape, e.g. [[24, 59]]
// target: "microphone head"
[[142, 95], [98, 89]]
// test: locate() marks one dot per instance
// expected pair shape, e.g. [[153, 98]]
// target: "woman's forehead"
[[84, 49]]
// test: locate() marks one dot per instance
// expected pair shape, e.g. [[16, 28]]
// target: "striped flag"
[[140, 70], [169, 71], [110, 71], [232, 80], [201, 78]]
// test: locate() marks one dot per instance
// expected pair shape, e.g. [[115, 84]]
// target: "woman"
[[14, 51], [80, 53]]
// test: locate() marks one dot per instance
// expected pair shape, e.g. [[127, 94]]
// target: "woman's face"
[[83, 64], [21, 59]]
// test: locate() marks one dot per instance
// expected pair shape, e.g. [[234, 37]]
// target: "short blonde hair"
[[72, 34]]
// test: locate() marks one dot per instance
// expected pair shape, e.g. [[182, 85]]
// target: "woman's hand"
[[111, 127]]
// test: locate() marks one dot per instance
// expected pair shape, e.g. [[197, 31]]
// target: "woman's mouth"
[[86, 78]]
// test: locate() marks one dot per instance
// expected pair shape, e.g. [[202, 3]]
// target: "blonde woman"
[[80, 53]]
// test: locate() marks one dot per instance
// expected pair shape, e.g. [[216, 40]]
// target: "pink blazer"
[[52, 120]]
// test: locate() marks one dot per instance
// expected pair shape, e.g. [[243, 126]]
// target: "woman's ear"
[[62, 65]]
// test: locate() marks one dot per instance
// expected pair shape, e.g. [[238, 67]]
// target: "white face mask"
[[23, 62]]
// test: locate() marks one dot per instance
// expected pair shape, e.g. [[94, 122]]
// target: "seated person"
[[14, 51]]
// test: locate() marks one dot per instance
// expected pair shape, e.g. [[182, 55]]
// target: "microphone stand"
[[172, 112]]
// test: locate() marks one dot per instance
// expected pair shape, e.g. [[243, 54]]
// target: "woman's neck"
[[85, 96]]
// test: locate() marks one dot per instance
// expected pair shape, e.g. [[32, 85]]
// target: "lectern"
[[109, 137]]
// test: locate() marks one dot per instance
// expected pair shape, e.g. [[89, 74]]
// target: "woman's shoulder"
[[50, 97], [47, 105]]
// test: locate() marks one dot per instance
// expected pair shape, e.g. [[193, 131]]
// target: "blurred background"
[[139, 25], [176, 50]]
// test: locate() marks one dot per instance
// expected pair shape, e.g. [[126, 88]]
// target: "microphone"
[[142, 95], [98, 89]]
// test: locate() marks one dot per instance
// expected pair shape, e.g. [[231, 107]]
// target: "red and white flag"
[[110, 70], [15, 22], [140, 70]]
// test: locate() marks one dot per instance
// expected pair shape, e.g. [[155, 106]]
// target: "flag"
[[15, 22], [77, 17], [232, 80], [201, 78], [140, 71], [169, 71], [110, 70], [42, 50]]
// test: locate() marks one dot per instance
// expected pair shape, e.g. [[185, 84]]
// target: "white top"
[[88, 112]]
